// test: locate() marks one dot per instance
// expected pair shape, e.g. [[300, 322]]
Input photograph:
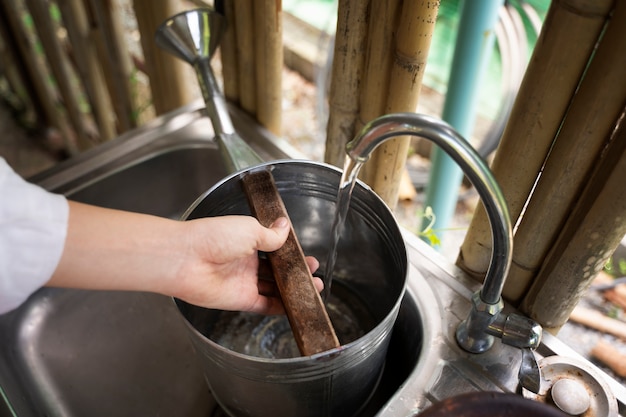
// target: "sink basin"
[[87, 353], [97, 353]]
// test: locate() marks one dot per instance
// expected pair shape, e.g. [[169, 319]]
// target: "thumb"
[[274, 237]]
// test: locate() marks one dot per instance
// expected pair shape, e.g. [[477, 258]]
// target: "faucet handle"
[[517, 330], [529, 374], [523, 333]]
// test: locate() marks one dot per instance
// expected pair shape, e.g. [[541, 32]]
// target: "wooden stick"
[[617, 296], [610, 356], [307, 315], [566, 42], [347, 72], [598, 321]]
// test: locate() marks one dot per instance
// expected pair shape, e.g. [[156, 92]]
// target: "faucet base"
[[472, 333]]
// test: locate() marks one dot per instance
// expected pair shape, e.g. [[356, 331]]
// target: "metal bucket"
[[245, 357]]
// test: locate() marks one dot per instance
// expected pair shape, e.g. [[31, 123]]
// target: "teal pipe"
[[472, 53]]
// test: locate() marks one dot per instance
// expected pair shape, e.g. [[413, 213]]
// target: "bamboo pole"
[[585, 129], [347, 73], [383, 21], [114, 58], [168, 75], [269, 63], [37, 74], [244, 27], [561, 53], [412, 43], [89, 70], [592, 233], [59, 67], [228, 51], [14, 70]]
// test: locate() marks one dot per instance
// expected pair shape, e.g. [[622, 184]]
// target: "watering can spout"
[[193, 36]]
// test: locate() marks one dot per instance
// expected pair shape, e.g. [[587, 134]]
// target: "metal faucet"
[[485, 320]]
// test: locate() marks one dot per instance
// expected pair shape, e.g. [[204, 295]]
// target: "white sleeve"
[[33, 227]]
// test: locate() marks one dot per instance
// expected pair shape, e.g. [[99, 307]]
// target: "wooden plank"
[[307, 315]]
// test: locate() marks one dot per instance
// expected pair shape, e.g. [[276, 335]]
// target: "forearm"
[[110, 249]]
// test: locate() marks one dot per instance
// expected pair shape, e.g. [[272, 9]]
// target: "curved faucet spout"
[[451, 142], [475, 333]]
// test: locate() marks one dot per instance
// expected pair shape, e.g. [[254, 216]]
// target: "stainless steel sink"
[[94, 353], [87, 353]]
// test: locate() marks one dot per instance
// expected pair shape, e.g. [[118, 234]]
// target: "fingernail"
[[281, 222]]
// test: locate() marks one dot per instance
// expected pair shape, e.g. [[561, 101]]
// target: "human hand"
[[211, 262], [223, 266]]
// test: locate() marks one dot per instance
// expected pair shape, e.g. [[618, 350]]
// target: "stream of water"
[[344, 194]]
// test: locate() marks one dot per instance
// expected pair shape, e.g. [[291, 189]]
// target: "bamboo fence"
[[411, 46], [585, 242], [32, 73], [388, 80], [586, 142], [253, 66], [88, 66], [565, 45], [169, 88], [347, 74]]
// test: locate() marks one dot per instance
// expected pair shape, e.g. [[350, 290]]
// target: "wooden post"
[[383, 22], [104, 20], [566, 42], [412, 43], [246, 60], [582, 136], [89, 69], [585, 243], [347, 73], [269, 63], [168, 75], [228, 51]]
